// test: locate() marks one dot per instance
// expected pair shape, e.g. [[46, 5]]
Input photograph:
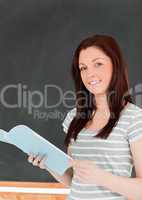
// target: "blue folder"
[[29, 142]]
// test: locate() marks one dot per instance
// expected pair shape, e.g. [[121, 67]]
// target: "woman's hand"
[[86, 171], [37, 160]]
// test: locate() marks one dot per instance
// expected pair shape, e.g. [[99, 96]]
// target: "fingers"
[[31, 157], [37, 160], [42, 163]]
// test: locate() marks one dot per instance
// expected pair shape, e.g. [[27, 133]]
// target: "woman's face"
[[95, 69]]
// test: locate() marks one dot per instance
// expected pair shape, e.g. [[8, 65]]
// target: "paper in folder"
[[29, 141]]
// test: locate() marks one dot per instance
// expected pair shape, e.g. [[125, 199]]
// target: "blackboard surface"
[[37, 41]]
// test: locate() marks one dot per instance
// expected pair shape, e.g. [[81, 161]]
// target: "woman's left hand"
[[86, 171]]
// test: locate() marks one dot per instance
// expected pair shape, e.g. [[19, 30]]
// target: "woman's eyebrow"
[[97, 59], [93, 60]]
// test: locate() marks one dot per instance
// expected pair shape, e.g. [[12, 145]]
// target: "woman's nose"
[[90, 74]]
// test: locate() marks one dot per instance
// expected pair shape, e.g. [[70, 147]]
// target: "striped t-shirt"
[[112, 154]]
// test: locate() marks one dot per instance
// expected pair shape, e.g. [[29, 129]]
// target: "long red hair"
[[117, 94]]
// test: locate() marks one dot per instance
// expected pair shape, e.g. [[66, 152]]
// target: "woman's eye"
[[98, 64], [82, 68]]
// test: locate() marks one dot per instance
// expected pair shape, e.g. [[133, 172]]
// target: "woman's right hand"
[[37, 160]]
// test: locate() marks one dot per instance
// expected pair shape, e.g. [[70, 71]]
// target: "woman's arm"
[[65, 179], [127, 186], [67, 176]]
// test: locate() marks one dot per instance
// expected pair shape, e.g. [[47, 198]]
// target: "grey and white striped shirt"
[[112, 154]]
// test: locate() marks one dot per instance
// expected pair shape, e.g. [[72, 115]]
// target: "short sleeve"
[[135, 128], [68, 119]]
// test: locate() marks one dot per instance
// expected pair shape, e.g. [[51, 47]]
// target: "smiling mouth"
[[94, 82]]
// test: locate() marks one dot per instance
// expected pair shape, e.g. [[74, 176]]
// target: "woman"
[[104, 130]]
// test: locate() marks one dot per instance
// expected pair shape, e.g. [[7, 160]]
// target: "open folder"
[[29, 142]]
